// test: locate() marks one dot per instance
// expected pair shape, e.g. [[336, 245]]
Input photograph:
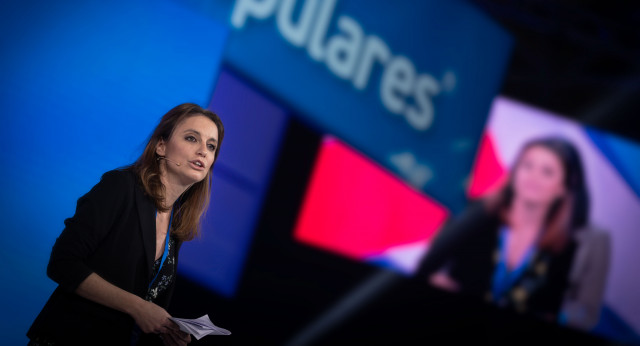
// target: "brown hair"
[[193, 203], [568, 213]]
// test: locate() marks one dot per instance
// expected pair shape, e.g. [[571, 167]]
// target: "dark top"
[[468, 248], [164, 274], [113, 234]]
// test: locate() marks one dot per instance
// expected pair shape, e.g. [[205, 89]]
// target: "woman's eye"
[[190, 138], [212, 147]]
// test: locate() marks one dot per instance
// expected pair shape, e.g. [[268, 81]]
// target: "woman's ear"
[[160, 147]]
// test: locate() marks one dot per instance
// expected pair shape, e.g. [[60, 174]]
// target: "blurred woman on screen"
[[516, 248], [115, 261]]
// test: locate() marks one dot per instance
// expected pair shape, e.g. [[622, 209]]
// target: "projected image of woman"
[[516, 247], [115, 261]]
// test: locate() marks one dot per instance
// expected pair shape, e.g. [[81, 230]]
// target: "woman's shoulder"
[[118, 183], [473, 221], [477, 210], [119, 176], [591, 236], [591, 232]]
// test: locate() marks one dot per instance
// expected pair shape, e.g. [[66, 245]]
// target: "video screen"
[[549, 229]]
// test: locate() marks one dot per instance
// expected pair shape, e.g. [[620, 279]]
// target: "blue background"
[[83, 84]]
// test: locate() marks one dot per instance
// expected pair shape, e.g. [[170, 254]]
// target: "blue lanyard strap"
[[166, 248], [503, 279]]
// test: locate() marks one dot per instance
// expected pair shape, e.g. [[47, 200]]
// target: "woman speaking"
[[115, 261]]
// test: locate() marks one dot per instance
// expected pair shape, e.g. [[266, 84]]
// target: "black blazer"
[[113, 234], [468, 247]]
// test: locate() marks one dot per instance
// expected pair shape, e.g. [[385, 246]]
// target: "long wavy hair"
[[568, 213], [193, 203]]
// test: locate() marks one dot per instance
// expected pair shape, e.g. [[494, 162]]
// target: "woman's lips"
[[197, 164]]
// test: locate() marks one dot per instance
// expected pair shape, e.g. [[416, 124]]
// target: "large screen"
[[354, 208], [612, 177]]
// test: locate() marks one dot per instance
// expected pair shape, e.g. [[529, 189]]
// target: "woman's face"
[[192, 145], [539, 176]]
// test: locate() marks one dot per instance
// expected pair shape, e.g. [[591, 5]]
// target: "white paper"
[[199, 327]]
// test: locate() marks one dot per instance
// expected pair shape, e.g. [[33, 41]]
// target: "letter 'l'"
[[315, 47]]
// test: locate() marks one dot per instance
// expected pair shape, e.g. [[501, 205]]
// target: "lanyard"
[[503, 279], [166, 248]]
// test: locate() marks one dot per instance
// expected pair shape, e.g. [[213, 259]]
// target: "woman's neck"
[[526, 216], [172, 188]]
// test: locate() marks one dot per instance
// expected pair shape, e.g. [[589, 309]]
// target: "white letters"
[[258, 9], [350, 54], [426, 88], [342, 51], [417, 174], [374, 49], [397, 82], [295, 34], [315, 49]]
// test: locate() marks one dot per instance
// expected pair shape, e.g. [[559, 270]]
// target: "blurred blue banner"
[[409, 83]]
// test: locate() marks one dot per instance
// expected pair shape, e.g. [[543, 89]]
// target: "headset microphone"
[[164, 158]]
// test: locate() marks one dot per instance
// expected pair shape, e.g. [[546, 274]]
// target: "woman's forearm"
[[150, 317], [105, 293]]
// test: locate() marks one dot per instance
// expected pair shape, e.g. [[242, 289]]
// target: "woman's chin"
[[536, 202], [196, 178]]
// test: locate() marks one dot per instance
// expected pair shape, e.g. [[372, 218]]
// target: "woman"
[[115, 261], [516, 247]]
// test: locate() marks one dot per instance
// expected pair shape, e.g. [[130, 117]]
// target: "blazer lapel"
[[146, 213]]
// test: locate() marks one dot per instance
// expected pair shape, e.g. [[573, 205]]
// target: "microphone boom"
[[164, 158]]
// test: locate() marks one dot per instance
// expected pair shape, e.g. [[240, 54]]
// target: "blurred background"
[[354, 131]]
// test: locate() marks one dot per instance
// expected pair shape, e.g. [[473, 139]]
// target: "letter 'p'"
[[255, 8]]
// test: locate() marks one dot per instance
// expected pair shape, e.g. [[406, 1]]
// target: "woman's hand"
[[443, 281], [148, 316], [151, 318], [175, 338]]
